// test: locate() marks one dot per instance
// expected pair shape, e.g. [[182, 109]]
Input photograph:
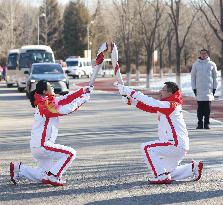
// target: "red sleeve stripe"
[[71, 97], [140, 105], [147, 147], [151, 109]]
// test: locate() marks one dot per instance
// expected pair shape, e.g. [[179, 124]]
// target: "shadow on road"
[[39, 191], [176, 197]]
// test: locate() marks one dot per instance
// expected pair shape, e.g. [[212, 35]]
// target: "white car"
[[78, 67]]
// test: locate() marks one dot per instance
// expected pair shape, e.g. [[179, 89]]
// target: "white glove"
[[88, 89], [124, 90], [86, 97], [125, 99], [129, 100]]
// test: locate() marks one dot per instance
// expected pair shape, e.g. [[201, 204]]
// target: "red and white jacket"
[[171, 125], [46, 117]]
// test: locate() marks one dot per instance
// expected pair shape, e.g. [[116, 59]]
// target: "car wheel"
[[20, 89], [27, 95], [9, 85]]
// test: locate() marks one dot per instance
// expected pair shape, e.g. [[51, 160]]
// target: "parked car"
[[78, 67], [52, 72], [63, 64]]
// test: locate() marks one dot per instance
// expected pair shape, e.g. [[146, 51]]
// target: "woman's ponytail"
[[32, 98], [41, 86]]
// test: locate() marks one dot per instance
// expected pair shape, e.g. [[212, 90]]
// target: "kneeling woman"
[[52, 159]]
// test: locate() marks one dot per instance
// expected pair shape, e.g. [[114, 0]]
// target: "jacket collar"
[[203, 60], [42, 99], [175, 97]]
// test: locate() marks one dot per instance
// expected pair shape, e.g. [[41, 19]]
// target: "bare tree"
[[137, 44], [180, 36], [125, 12], [97, 28], [170, 35], [16, 24], [7, 24], [162, 38], [214, 19], [150, 13]]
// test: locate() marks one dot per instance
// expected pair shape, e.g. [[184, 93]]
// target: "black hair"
[[40, 87], [204, 49], [171, 87]]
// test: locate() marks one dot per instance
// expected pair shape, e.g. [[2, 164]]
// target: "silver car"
[[51, 72]]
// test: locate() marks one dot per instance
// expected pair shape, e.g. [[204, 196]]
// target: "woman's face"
[[50, 90]]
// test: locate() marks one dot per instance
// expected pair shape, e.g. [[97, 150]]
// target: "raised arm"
[[145, 103], [73, 105], [54, 107], [66, 99]]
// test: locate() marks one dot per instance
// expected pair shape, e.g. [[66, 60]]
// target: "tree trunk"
[[148, 67], [169, 53], [137, 67], [161, 62], [178, 80], [128, 78], [128, 69]]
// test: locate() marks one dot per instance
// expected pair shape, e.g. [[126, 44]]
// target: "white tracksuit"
[[165, 154], [49, 156]]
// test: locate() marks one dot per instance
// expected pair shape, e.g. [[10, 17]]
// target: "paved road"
[[109, 168]]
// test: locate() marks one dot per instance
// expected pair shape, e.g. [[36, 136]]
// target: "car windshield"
[[12, 61], [34, 56], [72, 63], [47, 69]]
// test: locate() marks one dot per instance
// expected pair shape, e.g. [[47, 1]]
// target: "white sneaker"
[[161, 179], [197, 168], [53, 180], [14, 169]]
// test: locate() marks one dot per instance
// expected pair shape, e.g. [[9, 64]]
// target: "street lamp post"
[[88, 37], [42, 15]]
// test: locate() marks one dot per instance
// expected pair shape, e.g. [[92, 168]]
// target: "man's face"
[[203, 54], [164, 92]]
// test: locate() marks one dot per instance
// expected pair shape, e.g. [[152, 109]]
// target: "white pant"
[[165, 157], [53, 157]]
